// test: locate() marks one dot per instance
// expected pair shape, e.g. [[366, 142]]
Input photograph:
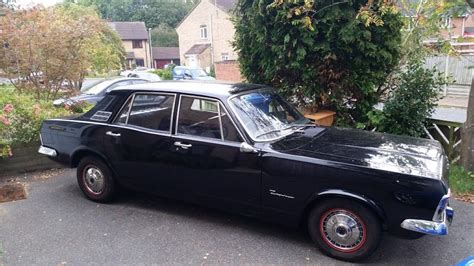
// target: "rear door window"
[[150, 111]]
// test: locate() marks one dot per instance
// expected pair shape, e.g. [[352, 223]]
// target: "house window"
[[140, 62], [203, 31], [137, 44], [225, 56], [446, 22]]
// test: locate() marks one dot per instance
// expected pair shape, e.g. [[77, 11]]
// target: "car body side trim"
[[209, 140], [150, 131]]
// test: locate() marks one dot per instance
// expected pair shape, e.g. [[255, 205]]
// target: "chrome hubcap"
[[93, 179], [342, 230]]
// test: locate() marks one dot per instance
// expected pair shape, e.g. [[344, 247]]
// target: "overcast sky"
[[30, 3]]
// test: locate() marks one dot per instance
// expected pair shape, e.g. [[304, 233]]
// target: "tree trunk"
[[467, 137]]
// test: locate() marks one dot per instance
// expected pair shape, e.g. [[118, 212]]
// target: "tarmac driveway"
[[57, 225]]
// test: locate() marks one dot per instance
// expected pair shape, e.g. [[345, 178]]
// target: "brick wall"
[[228, 71]]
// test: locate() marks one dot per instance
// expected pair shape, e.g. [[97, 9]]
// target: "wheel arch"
[[82, 152], [337, 193]]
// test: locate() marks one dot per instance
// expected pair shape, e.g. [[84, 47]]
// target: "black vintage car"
[[242, 148]]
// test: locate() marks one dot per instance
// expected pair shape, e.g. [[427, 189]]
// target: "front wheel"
[[344, 229], [95, 179]]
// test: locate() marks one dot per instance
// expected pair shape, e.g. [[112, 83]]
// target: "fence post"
[[446, 74], [467, 134]]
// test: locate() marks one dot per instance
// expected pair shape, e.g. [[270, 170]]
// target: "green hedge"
[[21, 116]]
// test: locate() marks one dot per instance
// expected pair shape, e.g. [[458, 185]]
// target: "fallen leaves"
[[469, 198]]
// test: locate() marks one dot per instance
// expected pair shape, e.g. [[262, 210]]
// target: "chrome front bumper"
[[47, 151], [442, 217]]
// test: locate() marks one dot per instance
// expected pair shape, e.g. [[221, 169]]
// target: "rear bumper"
[[47, 151], [442, 218]]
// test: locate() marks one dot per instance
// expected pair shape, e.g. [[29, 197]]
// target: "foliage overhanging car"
[[242, 148]]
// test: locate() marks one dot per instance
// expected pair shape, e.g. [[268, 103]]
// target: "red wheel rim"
[[342, 230]]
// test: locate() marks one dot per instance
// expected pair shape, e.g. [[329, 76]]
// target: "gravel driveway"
[[57, 225]]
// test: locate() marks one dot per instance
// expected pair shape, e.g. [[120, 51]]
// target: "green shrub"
[[165, 73], [320, 53], [212, 72], [411, 101], [460, 180], [21, 116]]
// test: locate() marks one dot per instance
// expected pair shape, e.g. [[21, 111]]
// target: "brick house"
[[457, 27], [165, 55], [135, 40], [206, 33]]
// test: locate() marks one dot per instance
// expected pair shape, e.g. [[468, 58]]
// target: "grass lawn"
[[6, 88], [461, 182]]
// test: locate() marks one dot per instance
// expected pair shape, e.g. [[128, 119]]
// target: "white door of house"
[[192, 61]]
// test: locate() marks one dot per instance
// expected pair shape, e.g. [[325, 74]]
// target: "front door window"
[[202, 117], [199, 117]]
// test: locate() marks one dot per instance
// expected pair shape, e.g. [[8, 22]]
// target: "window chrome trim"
[[220, 120], [240, 120], [117, 115], [114, 122], [218, 108], [210, 140], [130, 109]]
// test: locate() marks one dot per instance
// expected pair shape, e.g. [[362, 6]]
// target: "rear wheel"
[[344, 229], [95, 179]]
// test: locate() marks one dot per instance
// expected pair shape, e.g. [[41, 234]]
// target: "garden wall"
[[26, 159], [228, 71]]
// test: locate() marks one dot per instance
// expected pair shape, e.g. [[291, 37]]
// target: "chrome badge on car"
[[101, 116]]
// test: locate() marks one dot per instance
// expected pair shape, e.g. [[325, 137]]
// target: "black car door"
[[209, 160], [139, 145]]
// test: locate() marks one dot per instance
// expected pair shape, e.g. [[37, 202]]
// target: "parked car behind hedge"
[[95, 93]]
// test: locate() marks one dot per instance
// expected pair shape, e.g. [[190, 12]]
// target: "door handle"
[[112, 134], [182, 145]]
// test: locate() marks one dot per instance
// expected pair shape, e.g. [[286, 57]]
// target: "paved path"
[[56, 224], [450, 101]]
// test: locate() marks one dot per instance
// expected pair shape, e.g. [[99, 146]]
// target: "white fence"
[[459, 67]]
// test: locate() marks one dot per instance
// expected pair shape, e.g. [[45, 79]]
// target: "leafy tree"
[[152, 12], [45, 49], [323, 53], [164, 36], [426, 20], [5, 5], [411, 102]]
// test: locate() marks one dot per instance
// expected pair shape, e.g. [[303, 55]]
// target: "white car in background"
[[128, 73], [145, 75]]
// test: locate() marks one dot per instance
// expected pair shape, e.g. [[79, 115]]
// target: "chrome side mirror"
[[247, 148]]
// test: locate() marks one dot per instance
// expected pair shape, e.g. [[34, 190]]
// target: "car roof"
[[117, 78], [204, 88]]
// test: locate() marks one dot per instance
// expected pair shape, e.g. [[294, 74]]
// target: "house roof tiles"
[[165, 52], [130, 30], [198, 48]]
